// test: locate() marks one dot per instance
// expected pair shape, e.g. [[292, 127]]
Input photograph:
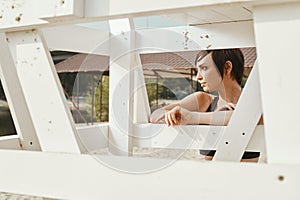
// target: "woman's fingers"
[[232, 106], [177, 117], [227, 107], [170, 120], [166, 119], [173, 117]]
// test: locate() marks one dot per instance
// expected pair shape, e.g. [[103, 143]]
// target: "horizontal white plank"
[[229, 35], [149, 135], [70, 176], [189, 137], [93, 138], [235, 13], [10, 142], [63, 37], [95, 8], [36, 13], [133, 8], [17, 15]]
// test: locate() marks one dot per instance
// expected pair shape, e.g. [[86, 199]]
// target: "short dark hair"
[[220, 56]]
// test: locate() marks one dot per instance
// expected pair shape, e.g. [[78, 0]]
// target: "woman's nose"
[[199, 77]]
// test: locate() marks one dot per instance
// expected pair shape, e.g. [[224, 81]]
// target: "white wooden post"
[[141, 103], [121, 87], [43, 95], [277, 36]]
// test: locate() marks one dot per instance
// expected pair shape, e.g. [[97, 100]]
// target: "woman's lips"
[[203, 84]]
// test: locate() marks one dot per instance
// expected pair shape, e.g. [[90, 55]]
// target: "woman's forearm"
[[219, 118], [158, 115]]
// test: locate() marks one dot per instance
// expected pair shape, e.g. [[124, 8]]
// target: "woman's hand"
[[179, 115], [227, 107]]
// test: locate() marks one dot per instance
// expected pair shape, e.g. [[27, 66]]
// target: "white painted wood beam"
[[43, 94], [122, 42], [16, 98], [189, 137], [79, 176], [10, 142], [140, 102], [20, 14], [133, 8], [147, 135], [242, 123], [119, 8], [88, 40], [214, 36], [77, 39], [277, 37], [93, 137]]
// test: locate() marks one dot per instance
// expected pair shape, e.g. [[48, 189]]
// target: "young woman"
[[220, 71]]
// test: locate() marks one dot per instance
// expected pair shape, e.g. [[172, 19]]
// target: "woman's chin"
[[206, 89]]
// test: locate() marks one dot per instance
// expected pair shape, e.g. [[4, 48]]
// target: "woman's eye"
[[203, 68]]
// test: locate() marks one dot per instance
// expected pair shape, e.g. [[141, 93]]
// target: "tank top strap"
[[213, 104]]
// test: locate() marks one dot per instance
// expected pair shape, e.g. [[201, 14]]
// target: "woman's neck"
[[230, 92]]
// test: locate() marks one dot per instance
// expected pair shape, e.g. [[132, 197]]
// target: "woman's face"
[[208, 74]]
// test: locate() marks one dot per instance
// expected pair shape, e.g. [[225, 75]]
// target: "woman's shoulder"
[[205, 96], [204, 99]]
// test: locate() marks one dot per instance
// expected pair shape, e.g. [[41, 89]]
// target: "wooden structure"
[[50, 156]]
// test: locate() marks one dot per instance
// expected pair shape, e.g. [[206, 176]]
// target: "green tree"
[[101, 97], [154, 89]]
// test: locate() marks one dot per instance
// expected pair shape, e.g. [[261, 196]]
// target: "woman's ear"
[[228, 67]]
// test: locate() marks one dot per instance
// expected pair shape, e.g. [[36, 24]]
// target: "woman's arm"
[[196, 102], [181, 116]]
